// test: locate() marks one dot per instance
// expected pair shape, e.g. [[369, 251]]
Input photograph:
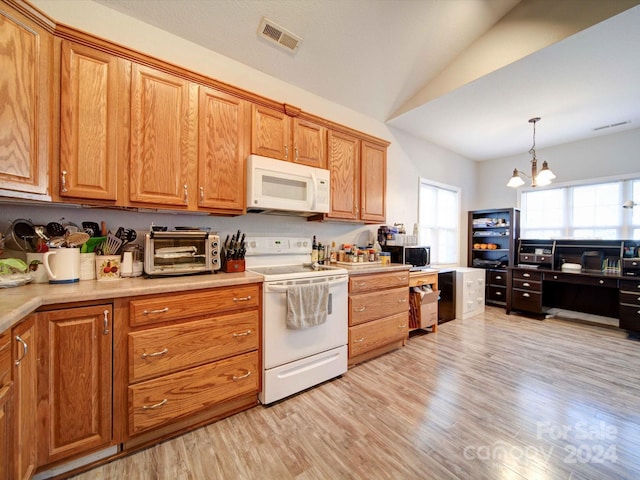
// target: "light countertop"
[[18, 302]]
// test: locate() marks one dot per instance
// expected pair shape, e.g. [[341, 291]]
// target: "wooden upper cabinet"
[[163, 138], [270, 133], [92, 86], [373, 180], [25, 108], [309, 143], [277, 135], [344, 167], [223, 124]]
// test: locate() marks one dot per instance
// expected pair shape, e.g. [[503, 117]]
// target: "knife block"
[[233, 266]]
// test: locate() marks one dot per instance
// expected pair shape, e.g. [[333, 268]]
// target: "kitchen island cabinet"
[[26, 77], [74, 381], [378, 313]]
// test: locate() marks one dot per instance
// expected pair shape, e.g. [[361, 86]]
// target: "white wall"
[[408, 158], [603, 156]]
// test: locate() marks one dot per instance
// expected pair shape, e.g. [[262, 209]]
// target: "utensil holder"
[[233, 266]]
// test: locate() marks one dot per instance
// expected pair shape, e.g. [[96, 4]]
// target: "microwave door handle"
[[313, 190]]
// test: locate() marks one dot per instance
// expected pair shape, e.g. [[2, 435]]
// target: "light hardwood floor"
[[490, 397]]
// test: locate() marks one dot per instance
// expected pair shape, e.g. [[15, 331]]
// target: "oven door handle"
[[283, 288]]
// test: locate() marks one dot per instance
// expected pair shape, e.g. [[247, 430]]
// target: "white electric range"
[[294, 359]]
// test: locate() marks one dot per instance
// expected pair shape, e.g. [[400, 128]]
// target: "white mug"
[[62, 265], [36, 267]]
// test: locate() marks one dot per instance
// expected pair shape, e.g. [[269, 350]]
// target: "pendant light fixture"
[[538, 179]]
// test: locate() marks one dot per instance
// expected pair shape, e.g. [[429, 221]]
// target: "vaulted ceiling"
[[463, 74]]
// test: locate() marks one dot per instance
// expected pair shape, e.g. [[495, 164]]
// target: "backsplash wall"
[[251, 224]]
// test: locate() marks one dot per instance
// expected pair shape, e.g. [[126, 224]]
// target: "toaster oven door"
[[176, 253]]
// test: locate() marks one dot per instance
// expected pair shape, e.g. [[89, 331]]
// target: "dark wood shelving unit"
[[493, 234]]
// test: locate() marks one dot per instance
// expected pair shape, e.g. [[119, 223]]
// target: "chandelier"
[[538, 179]]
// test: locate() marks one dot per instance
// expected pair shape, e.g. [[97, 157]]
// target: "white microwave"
[[278, 186]]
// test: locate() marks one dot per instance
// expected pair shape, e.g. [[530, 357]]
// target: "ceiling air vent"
[[613, 125], [278, 35]]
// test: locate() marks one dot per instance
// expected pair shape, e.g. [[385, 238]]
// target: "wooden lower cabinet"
[[191, 358], [378, 313], [6, 407], [74, 381], [25, 355]]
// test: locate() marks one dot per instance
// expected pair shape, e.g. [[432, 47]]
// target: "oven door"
[[283, 345]]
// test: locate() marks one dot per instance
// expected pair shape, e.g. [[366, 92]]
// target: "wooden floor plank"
[[493, 396]]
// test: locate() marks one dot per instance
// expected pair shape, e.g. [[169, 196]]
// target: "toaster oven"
[[181, 253]]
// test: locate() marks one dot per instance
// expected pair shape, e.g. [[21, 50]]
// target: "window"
[[439, 221], [582, 211]]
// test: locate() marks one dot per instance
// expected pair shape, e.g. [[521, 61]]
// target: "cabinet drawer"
[[630, 285], [369, 306], [163, 400], [368, 283], [630, 317], [527, 285], [162, 350], [527, 275], [498, 278], [376, 334], [496, 293], [630, 298], [5, 359], [581, 279], [160, 308], [527, 301]]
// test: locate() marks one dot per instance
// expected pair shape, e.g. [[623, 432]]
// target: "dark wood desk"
[[534, 291]]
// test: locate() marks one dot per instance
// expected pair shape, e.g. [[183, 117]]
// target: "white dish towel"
[[307, 305]]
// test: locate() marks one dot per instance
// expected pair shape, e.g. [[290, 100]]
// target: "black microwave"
[[417, 256]]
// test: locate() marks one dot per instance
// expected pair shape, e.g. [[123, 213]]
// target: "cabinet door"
[[373, 181], [270, 133], [25, 377], [309, 143], [163, 138], [222, 149], [25, 77], [344, 166], [6, 406], [90, 87], [74, 388]]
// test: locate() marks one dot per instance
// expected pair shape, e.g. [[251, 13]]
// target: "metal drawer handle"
[[242, 376], [359, 340], [362, 284], [24, 349], [242, 299], [155, 354], [526, 295], [555, 277], [498, 277], [498, 294], [157, 405], [402, 279], [600, 282], [526, 284], [360, 309], [526, 275], [154, 312], [400, 327], [243, 334], [402, 300]]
